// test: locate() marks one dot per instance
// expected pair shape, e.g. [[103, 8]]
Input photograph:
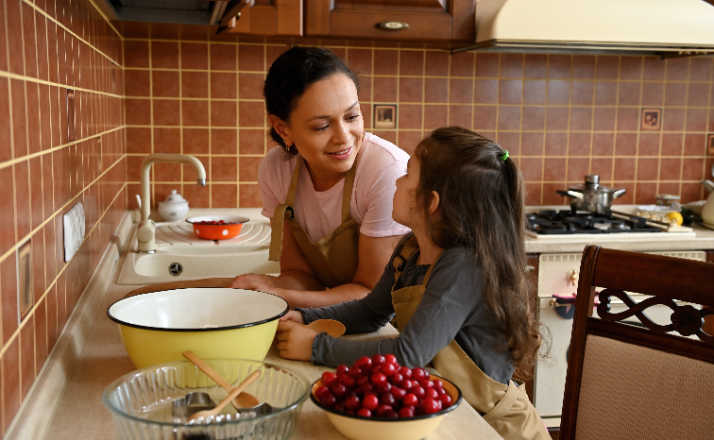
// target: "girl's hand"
[[295, 340], [293, 315]]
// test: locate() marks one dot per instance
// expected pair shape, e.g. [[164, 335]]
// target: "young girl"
[[455, 287]]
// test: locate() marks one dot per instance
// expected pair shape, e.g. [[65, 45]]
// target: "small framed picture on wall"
[[651, 119], [385, 116]]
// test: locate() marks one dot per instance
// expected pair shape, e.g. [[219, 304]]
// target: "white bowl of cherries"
[[376, 398]]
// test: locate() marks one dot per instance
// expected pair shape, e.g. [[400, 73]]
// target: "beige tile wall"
[[48, 49], [561, 116]]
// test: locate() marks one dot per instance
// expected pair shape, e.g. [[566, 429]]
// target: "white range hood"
[[674, 27]]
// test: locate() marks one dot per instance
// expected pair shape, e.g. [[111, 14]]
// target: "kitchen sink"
[[181, 256]]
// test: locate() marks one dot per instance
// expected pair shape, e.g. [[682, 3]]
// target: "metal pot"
[[592, 196]]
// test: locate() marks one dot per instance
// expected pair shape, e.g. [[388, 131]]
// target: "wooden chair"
[[649, 380]]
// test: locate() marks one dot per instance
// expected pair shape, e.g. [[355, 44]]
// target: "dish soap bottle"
[[174, 208]]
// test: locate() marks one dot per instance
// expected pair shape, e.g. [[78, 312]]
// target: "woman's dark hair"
[[481, 208], [291, 74]]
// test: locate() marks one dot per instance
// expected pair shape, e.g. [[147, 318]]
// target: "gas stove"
[[551, 221]]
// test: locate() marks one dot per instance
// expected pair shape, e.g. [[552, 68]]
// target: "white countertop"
[[65, 401], [701, 239]]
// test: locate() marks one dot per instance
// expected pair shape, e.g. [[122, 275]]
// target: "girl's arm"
[[451, 297]]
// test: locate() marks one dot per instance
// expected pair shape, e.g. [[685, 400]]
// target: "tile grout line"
[[57, 148], [60, 272], [66, 29], [11, 75]]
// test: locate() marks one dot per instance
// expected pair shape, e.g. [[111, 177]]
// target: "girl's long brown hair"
[[481, 208]]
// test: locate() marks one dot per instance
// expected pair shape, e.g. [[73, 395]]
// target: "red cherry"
[[338, 389], [364, 412], [431, 392], [446, 400], [430, 405], [419, 373], [410, 399], [387, 399], [396, 378], [418, 390], [406, 372], [378, 359], [342, 369], [328, 400], [378, 378], [397, 392], [384, 387], [391, 414], [362, 379], [328, 377], [347, 381], [406, 412], [352, 402], [366, 387], [364, 362], [388, 369], [322, 391], [390, 359], [427, 383], [406, 384], [370, 401], [356, 372], [383, 409]]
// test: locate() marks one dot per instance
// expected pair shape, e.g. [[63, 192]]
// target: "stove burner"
[[552, 221]]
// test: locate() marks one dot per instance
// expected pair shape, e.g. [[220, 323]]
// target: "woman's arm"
[[300, 288]]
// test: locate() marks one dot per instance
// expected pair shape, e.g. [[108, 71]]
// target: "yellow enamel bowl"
[[362, 428], [214, 323]]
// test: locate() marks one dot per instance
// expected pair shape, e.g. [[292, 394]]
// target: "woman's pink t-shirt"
[[319, 213]]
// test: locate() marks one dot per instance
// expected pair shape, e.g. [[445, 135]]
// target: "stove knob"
[[573, 277]]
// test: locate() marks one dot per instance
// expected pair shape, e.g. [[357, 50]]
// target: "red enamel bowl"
[[216, 227]]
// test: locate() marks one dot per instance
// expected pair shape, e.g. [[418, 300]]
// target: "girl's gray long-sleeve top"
[[453, 307]]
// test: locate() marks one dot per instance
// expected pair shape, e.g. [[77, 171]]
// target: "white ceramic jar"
[[174, 208]]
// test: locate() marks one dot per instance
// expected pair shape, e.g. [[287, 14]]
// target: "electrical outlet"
[[73, 222], [710, 144], [25, 288]]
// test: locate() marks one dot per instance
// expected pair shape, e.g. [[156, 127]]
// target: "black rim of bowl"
[[443, 411], [225, 327]]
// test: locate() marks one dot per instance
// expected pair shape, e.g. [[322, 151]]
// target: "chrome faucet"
[[147, 228]]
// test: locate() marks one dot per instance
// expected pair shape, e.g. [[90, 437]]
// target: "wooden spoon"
[[244, 400], [232, 395], [332, 327]]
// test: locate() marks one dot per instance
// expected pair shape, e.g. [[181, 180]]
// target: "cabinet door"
[[271, 17], [424, 19]]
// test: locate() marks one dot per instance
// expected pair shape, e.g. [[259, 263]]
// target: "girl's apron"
[[505, 407], [333, 259]]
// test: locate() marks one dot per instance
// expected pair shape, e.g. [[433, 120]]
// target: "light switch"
[[73, 221]]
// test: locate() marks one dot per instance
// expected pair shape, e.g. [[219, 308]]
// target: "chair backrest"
[[642, 380]]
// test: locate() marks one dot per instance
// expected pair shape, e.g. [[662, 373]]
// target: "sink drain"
[[175, 269]]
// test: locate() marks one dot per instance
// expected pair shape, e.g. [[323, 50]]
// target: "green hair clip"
[[505, 155]]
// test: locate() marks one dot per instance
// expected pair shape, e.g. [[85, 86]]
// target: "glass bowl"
[[142, 402]]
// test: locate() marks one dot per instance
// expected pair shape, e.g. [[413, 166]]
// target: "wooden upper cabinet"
[[391, 19], [271, 17]]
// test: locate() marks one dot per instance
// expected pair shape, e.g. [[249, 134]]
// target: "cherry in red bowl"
[[376, 398]]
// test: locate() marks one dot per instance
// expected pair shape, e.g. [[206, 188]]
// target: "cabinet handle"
[[392, 25], [529, 268]]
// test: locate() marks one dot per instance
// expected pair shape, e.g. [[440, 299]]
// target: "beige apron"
[[505, 407], [333, 259]]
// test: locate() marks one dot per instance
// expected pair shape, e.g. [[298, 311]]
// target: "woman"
[[329, 189]]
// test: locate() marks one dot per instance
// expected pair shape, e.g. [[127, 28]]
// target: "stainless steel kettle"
[[592, 196]]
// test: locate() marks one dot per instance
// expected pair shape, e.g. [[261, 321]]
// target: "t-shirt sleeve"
[[270, 182], [377, 220]]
